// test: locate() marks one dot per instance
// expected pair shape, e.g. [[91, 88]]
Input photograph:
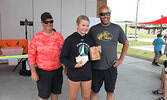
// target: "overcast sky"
[[148, 10]]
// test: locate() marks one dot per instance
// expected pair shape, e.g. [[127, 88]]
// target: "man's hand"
[[98, 48], [117, 62], [34, 76], [123, 53]]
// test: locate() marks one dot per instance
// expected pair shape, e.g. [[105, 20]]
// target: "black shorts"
[[49, 81], [80, 74], [109, 77]]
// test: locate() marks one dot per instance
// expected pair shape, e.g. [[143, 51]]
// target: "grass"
[[144, 35], [138, 43], [141, 34], [137, 53]]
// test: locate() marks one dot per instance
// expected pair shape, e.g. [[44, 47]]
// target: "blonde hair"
[[82, 17]]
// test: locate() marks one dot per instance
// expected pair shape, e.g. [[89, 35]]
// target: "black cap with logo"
[[45, 15]]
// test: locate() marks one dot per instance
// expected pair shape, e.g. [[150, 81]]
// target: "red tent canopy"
[[163, 20]]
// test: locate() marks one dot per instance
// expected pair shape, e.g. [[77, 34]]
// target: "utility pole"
[[136, 20], [161, 26], [126, 29]]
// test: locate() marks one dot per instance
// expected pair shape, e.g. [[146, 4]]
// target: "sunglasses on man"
[[47, 22], [103, 14]]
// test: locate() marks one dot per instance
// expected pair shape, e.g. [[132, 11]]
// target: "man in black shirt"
[[107, 35]]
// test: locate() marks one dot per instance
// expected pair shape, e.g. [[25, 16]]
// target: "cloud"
[[148, 10]]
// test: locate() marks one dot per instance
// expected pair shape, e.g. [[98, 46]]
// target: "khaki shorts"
[[158, 54]]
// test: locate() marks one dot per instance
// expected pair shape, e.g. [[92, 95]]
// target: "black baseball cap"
[[45, 15]]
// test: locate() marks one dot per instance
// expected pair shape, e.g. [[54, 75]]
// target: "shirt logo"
[[105, 36], [83, 48]]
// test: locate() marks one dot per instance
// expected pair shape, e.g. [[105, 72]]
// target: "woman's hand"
[[65, 70]]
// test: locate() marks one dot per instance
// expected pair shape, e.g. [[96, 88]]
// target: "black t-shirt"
[[108, 37]]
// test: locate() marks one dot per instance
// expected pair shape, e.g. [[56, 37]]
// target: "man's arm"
[[123, 53], [34, 75], [164, 42]]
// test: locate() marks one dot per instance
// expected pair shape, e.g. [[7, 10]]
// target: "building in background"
[[64, 12]]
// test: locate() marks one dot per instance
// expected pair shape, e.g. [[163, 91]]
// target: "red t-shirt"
[[44, 50]]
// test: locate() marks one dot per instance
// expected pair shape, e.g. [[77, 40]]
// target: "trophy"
[[94, 53]]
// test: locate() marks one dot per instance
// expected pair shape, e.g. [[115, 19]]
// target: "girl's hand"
[[79, 64]]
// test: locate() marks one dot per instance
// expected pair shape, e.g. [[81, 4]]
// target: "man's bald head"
[[104, 9], [104, 14]]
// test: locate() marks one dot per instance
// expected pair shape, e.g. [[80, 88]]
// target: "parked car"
[[132, 35]]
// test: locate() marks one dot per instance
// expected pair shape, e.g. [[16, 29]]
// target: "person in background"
[[163, 86], [75, 56], [165, 50], [107, 35], [44, 52], [158, 43]]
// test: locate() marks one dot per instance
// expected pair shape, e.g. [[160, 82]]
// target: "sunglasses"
[[103, 14], [46, 22]]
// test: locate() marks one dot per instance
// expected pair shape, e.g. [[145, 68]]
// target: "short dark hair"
[[159, 35], [45, 15]]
